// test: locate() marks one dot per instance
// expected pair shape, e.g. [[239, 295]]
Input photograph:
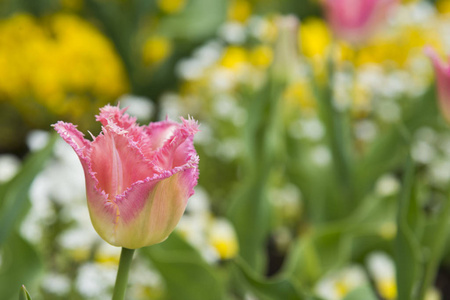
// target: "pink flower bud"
[[138, 178], [442, 71], [356, 20]]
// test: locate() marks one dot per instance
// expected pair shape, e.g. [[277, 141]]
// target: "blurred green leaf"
[[20, 265], [324, 249], [434, 238], [24, 295], [187, 275], [389, 149], [269, 289], [249, 214], [364, 292], [407, 247], [249, 209], [14, 194], [199, 20]]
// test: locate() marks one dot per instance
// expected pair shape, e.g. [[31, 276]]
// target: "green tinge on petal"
[[158, 216]]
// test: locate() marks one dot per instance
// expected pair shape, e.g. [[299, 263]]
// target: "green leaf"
[[364, 292], [186, 274], [434, 242], [14, 194], [198, 20], [24, 295], [268, 289], [315, 253], [407, 247], [20, 265], [249, 217]]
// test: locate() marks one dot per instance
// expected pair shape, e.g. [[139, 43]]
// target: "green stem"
[[126, 257]]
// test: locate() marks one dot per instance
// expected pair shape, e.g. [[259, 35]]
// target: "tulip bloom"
[[442, 71], [355, 20], [138, 178]]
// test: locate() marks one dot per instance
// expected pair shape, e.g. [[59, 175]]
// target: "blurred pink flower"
[[442, 71], [138, 178], [356, 20]]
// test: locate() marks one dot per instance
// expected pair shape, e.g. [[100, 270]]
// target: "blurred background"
[[303, 144]]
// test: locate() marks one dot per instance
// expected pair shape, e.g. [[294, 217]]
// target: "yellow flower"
[[171, 6], [156, 49], [314, 37], [107, 255], [223, 238], [407, 40], [234, 57], [239, 10], [443, 6], [61, 62], [387, 288], [261, 56], [301, 94]]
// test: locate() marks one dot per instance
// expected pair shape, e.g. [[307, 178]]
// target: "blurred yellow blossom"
[[407, 41], [387, 288], [156, 49], [234, 57], [60, 63], [223, 238], [443, 6], [239, 10], [107, 255], [261, 56], [171, 6], [314, 37], [300, 93]]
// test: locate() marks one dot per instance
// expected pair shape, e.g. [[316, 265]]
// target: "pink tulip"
[[356, 20], [442, 71], [138, 178]]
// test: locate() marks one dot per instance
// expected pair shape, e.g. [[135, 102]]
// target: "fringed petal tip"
[[114, 114], [190, 125], [73, 137]]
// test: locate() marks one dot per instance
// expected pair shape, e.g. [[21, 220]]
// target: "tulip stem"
[[126, 257]]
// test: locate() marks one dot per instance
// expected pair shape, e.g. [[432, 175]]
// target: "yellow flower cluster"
[[315, 40], [61, 64]]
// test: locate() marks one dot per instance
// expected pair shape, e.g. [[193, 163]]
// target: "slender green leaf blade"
[[187, 275], [24, 295], [14, 194]]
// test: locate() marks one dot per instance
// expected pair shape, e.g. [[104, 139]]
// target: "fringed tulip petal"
[[442, 71], [138, 178]]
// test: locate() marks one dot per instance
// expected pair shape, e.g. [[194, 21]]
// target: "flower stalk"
[[126, 256]]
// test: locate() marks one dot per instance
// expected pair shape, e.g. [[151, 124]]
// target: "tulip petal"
[[170, 155], [114, 116], [155, 207], [138, 179], [159, 133], [442, 71], [117, 163], [74, 138]]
